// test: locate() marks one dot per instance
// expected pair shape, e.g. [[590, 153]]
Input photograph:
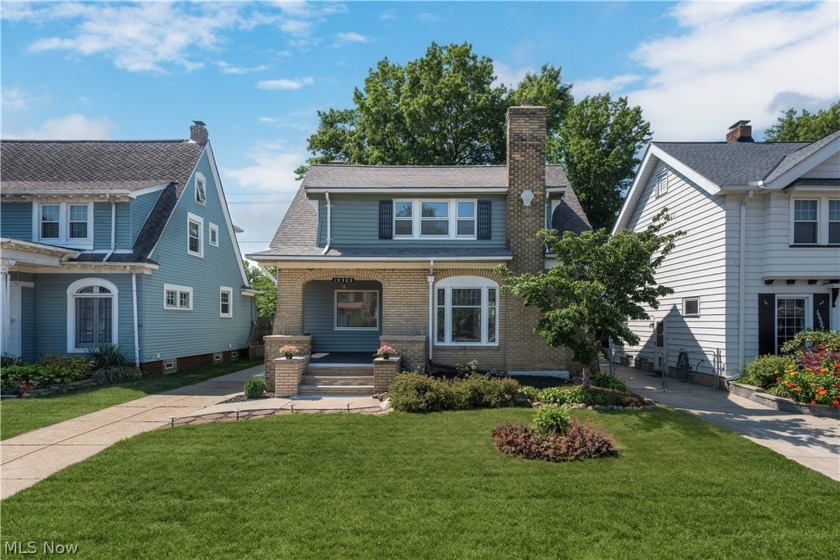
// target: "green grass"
[[430, 486], [18, 416]]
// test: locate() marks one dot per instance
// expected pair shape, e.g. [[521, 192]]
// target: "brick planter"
[[274, 342], [287, 375], [384, 371], [412, 349]]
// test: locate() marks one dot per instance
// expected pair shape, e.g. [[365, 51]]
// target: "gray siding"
[[175, 333], [355, 221], [16, 220], [139, 211], [319, 319]]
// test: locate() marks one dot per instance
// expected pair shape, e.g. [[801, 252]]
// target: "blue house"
[[120, 242]]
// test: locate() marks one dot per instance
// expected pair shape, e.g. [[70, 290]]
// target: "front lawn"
[[18, 416], [430, 486]]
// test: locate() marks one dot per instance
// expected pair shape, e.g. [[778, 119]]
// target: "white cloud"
[[14, 99], [736, 61], [614, 85], [346, 38], [269, 120], [71, 127], [285, 84], [230, 69], [508, 76]]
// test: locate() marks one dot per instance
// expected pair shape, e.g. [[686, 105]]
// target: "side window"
[[214, 235], [200, 192], [195, 235], [805, 223]]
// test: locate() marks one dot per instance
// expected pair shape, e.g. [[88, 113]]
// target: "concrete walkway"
[[33, 456], [808, 440]]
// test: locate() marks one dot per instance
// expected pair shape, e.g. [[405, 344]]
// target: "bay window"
[[466, 311]]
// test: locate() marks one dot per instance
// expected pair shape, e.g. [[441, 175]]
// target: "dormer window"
[[200, 193], [64, 223], [415, 219]]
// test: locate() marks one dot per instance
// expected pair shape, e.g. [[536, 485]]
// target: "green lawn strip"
[[430, 486], [18, 416]]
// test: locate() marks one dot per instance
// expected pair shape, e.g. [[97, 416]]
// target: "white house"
[[760, 260]]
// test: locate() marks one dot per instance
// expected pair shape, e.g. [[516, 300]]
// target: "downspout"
[[113, 230], [329, 224], [431, 280], [134, 307], [742, 288]]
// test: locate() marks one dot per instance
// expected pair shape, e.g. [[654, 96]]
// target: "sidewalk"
[[33, 456], [808, 440]]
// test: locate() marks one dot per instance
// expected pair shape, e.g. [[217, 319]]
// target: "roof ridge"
[[41, 141]]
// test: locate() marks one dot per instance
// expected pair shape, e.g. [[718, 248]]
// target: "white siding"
[[696, 268], [829, 169]]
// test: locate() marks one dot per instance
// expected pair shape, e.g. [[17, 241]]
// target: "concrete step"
[[312, 389], [339, 369], [336, 379]]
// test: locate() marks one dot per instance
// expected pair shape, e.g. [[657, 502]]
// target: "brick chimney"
[[741, 131], [526, 129], [198, 133]]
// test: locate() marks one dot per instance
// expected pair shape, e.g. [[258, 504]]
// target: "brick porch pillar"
[[287, 375]]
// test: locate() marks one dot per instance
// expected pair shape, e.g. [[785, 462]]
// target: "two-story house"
[[120, 242], [761, 257], [404, 256]]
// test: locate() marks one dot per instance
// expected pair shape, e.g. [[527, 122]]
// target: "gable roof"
[[340, 177], [95, 167], [719, 165]]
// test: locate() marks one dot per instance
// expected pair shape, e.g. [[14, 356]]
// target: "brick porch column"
[[287, 375], [384, 371], [273, 343]]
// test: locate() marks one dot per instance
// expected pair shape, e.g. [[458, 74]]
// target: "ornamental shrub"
[[254, 388], [530, 393], [579, 442], [814, 378], [413, 392], [608, 381], [565, 395], [550, 420], [828, 340], [765, 371], [116, 374]]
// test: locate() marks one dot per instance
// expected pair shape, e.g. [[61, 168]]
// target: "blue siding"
[[355, 221], [139, 211], [319, 320], [175, 333], [27, 324], [50, 311], [16, 220], [124, 239], [102, 226]]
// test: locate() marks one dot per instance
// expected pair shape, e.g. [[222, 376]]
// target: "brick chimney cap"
[[739, 123], [200, 123]]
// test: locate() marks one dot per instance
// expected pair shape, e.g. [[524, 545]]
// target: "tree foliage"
[[597, 145], [805, 126], [600, 283], [266, 301]]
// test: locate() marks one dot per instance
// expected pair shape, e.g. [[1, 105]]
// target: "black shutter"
[[766, 324], [822, 309], [386, 219], [484, 230]]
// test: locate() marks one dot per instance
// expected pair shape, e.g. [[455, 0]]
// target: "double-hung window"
[[467, 309], [177, 297], [225, 302], [423, 218], [214, 235], [834, 221], [65, 223], [195, 235], [815, 221], [805, 222]]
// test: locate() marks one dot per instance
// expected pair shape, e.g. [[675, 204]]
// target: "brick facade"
[[287, 374], [384, 372]]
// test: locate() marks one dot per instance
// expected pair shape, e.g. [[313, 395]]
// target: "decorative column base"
[[384, 371], [287, 375], [274, 342]]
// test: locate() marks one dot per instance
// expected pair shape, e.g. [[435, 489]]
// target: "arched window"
[[467, 311], [91, 314]]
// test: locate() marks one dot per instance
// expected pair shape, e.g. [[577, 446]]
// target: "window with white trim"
[[225, 302], [195, 235], [214, 235], [200, 189], [92, 314], [815, 221], [424, 218], [467, 311], [177, 297], [63, 222], [792, 316], [357, 310], [691, 307]]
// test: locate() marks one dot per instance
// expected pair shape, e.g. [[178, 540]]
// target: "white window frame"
[[809, 319], [192, 218], [200, 189], [685, 312], [662, 183], [229, 291], [469, 283], [72, 291], [829, 221], [213, 235], [178, 290], [823, 204], [452, 218], [63, 238], [335, 311]]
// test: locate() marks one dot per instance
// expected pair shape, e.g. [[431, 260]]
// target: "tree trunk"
[[586, 379]]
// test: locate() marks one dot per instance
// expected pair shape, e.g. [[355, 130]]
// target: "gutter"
[[275, 258], [742, 277], [329, 224], [431, 279], [134, 308]]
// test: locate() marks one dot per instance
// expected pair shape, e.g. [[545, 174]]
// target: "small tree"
[[601, 282], [266, 301]]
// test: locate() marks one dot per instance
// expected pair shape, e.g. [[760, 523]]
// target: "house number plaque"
[[343, 280]]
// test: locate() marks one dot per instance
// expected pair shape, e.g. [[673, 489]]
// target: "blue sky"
[[257, 72]]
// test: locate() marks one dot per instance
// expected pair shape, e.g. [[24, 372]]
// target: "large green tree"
[[600, 283], [598, 145], [257, 279], [805, 126]]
